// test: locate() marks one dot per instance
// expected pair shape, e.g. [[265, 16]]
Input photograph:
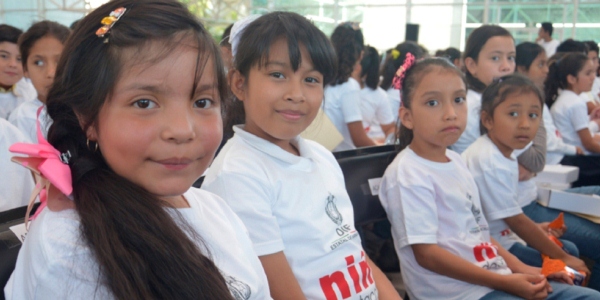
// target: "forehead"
[[499, 44], [9, 47], [432, 76]]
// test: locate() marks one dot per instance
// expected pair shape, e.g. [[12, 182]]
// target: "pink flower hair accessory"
[[409, 61], [49, 166]]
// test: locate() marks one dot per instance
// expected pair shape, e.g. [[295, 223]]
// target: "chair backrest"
[[359, 167], [9, 243]]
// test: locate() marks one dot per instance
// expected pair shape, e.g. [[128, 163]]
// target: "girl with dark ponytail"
[[136, 110]]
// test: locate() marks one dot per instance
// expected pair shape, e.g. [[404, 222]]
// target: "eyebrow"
[[438, 92]]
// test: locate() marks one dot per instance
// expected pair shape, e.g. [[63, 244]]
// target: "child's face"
[[593, 56], [538, 70], [585, 78], [279, 102], [438, 112], [514, 122], [151, 132], [11, 69], [496, 59], [41, 64]]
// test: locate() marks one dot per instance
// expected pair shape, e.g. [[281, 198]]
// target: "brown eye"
[[203, 103], [144, 103]]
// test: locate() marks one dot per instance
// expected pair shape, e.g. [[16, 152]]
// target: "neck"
[[547, 39], [430, 152], [506, 151]]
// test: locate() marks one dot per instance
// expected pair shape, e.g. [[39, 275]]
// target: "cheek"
[[211, 132]]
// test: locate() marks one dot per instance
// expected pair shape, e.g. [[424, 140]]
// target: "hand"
[[579, 151], [525, 174], [595, 114], [557, 233], [575, 263], [526, 286], [561, 277]]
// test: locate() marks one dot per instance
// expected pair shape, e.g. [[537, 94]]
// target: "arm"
[[534, 158], [384, 287], [388, 128], [282, 282], [588, 141], [436, 259], [526, 229], [358, 134]]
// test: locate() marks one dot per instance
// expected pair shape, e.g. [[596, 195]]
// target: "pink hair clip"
[[109, 22], [49, 166], [409, 61]]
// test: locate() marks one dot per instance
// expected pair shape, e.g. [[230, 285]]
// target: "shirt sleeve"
[[534, 158], [578, 116], [384, 111], [413, 213], [351, 106], [497, 192], [251, 199]]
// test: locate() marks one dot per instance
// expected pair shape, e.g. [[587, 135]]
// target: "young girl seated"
[[376, 112], [40, 46], [510, 117], [288, 191], [136, 120], [14, 89], [571, 74], [441, 235], [342, 93], [489, 53]]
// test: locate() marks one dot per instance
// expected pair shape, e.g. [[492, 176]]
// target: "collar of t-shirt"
[[497, 152], [11, 89], [301, 162], [432, 164]]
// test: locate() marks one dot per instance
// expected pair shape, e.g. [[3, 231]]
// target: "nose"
[[13, 62], [507, 65], [178, 124], [51, 70], [295, 92], [449, 112], [524, 122]]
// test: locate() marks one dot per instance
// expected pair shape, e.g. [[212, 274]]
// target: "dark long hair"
[[477, 39], [347, 39], [391, 64], [37, 31], [370, 67], [411, 80], [141, 251], [506, 86], [560, 65], [527, 52], [257, 38]]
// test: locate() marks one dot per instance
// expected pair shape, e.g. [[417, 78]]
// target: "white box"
[[557, 174], [553, 185], [571, 202]]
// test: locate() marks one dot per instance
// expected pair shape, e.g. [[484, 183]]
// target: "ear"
[[405, 116], [487, 120], [471, 65], [92, 133], [237, 83], [571, 80]]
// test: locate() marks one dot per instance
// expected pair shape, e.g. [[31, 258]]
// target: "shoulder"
[[480, 153], [11, 134]]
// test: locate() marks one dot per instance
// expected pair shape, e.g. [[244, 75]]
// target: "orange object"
[[550, 266], [558, 223], [555, 240]]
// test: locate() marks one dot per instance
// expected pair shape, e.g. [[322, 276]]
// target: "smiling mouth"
[[175, 163], [292, 115]]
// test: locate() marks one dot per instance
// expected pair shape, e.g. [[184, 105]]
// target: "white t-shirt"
[[55, 262], [17, 182], [394, 99], [342, 105], [496, 177], [570, 115], [22, 92], [471, 132], [298, 205], [437, 203], [25, 117], [555, 147], [375, 108], [550, 46]]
